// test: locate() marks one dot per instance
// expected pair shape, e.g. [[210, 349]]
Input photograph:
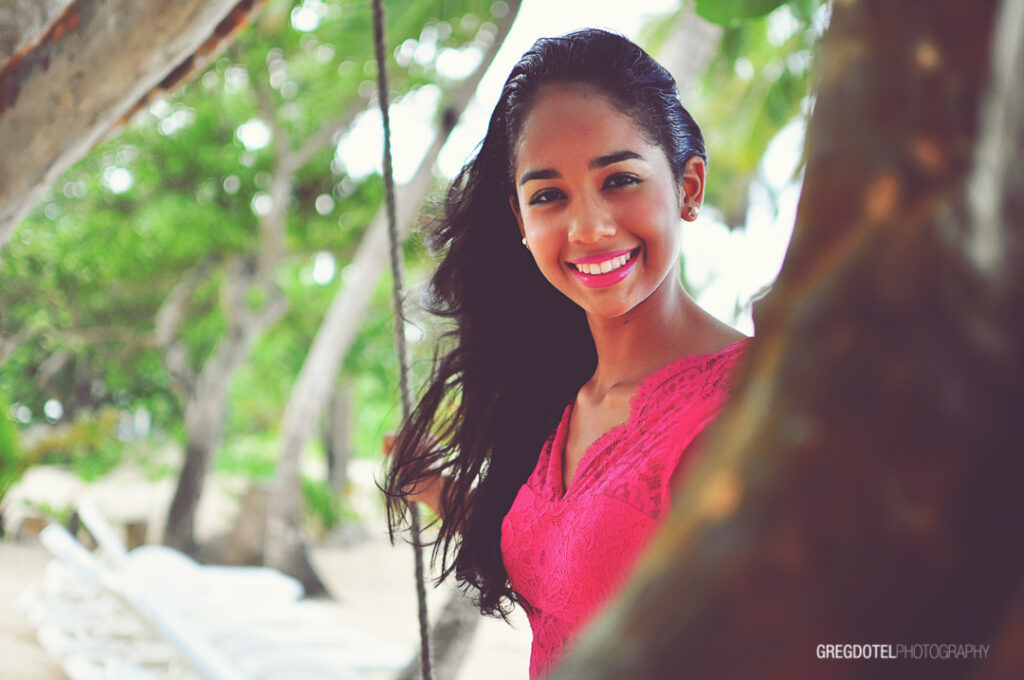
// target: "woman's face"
[[597, 201]]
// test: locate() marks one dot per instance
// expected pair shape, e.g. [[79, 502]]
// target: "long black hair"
[[517, 350]]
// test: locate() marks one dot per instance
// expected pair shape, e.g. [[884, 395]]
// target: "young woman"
[[571, 390]]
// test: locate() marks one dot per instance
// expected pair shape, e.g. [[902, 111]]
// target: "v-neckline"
[[610, 436], [616, 432]]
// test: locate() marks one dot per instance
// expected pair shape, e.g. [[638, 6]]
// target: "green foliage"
[[85, 274], [324, 508], [252, 457], [760, 81], [12, 464], [727, 12], [88, 446], [59, 514], [154, 469]]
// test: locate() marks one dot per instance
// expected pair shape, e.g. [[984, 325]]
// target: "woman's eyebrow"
[[599, 162], [547, 173], [604, 161]]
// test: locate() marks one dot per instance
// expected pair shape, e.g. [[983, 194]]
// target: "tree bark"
[[22, 22], [863, 485], [452, 635], [85, 73], [284, 550]]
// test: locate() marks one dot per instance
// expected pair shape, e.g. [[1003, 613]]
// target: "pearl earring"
[[693, 212], [524, 242]]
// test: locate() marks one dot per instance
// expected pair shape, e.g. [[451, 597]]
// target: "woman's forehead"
[[584, 97], [576, 119]]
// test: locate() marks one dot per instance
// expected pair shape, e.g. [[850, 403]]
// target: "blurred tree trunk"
[[205, 393], [452, 636], [71, 72], [337, 434], [691, 45], [285, 549], [863, 486]]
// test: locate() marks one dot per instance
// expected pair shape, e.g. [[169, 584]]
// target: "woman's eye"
[[545, 196], [621, 179]]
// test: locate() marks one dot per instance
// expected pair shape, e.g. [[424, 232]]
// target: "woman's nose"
[[589, 222]]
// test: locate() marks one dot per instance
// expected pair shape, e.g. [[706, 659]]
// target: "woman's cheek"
[[654, 224]]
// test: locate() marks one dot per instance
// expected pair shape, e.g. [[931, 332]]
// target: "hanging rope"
[[397, 295]]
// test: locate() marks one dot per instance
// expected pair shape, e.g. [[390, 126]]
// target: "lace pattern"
[[568, 551]]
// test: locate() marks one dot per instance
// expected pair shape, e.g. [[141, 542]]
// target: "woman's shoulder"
[[700, 375], [691, 365]]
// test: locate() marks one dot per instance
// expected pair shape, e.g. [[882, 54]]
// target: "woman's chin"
[[608, 311]]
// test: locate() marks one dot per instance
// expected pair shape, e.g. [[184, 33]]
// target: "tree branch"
[[234, 293], [10, 345], [327, 134], [168, 320], [52, 365], [90, 69], [23, 22], [273, 224]]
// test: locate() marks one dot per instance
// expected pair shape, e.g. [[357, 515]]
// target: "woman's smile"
[[600, 271]]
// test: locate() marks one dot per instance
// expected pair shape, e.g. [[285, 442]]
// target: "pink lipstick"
[[606, 269]]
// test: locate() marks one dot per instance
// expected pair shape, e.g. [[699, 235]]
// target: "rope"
[[397, 295]]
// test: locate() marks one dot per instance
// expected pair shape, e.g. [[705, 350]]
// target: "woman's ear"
[[691, 188]]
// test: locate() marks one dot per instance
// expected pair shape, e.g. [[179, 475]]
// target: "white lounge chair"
[[152, 612], [196, 651]]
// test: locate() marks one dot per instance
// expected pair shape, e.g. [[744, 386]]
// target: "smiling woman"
[[578, 375], [595, 198]]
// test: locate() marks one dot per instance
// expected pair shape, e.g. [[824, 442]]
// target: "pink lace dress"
[[568, 552]]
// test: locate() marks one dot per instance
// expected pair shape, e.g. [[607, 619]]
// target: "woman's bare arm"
[[429, 490]]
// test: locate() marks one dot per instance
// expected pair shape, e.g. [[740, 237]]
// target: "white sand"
[[21, 658]]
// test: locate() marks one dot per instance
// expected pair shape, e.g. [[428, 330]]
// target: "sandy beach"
[[371, 581], [21, 657]]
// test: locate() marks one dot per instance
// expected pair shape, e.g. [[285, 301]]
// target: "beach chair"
[[158, 566], [152, 612], [252, 610], [170, 632]]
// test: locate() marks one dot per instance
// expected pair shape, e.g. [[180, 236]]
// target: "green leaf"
[[728, 12]]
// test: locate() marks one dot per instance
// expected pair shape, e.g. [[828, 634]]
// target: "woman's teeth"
[[609, 265]]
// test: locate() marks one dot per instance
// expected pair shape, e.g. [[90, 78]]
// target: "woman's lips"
[[591, 259], [607, 269]]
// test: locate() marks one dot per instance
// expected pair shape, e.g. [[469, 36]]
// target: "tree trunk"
[[863, 485], [206, 396], [204, 426], [285, 550], [690, 47], [452, 636], [339, 328], [83, 76], [337, 433]]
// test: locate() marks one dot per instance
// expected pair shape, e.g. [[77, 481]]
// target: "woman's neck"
[[664, 327]]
